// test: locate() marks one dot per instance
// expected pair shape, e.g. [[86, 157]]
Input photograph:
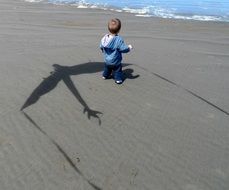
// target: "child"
[[112, 46]]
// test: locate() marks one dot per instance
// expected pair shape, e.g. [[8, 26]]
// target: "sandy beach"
[[165, 128]]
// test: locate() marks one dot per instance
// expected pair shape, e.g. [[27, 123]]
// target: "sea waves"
[[142, 11]]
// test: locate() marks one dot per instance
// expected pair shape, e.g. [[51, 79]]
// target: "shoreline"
[[191, 17]]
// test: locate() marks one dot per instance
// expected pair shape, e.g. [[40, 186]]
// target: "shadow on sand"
[[61, 150], [50, 82], [63, 73]]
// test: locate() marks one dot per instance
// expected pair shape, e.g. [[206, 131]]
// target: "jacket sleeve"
[[101, 46], [123, 48]]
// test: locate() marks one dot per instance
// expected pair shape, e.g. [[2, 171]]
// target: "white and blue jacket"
[[113, 47]]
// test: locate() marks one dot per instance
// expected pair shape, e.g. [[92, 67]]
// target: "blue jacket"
[[113, 47]]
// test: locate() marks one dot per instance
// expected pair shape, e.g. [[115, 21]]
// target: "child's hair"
[[114, 26]]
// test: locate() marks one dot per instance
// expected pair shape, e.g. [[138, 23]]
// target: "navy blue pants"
[[116, 69]]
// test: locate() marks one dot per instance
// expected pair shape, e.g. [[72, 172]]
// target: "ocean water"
[[205, 10]]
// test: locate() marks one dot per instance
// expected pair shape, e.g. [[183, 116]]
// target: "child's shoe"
[[118, 81], [109, 77]]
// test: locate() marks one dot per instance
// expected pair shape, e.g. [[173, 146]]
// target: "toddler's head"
[[114, 26]]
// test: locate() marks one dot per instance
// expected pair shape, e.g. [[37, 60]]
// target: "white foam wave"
[[194, 17], [153, 11]]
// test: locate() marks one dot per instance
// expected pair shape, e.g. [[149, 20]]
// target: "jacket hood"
[[106, 40]]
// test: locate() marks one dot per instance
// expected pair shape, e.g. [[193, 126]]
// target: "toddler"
[[112, 46]]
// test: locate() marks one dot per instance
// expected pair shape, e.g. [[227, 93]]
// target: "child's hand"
[[130, 46]]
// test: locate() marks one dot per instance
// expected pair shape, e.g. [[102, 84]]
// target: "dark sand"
[[167, 129]]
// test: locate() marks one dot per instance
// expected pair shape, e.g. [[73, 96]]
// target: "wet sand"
[[165, 128]]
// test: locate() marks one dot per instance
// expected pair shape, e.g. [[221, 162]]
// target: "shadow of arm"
[[90, 113]]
